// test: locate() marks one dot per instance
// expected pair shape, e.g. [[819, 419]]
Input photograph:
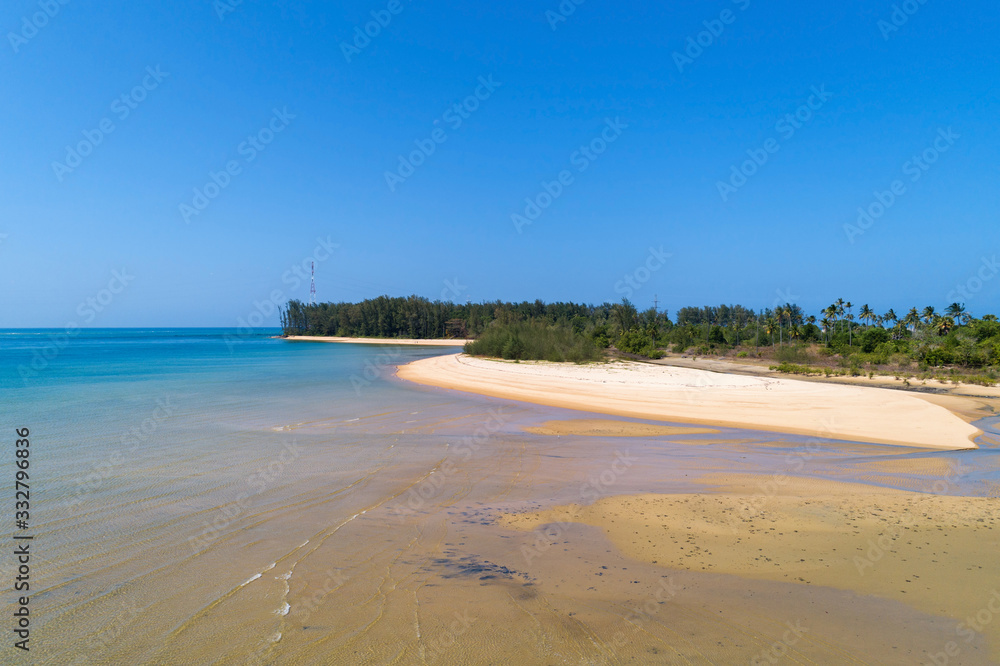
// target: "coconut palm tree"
[[944, 325], [929, 314], [912, 319], [830, 314], [850, 319], [890, 317], [866, 315], [957, 312], [840, 308], [769, 325]]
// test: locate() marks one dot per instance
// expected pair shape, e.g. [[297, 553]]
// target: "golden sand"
[[935, 553]]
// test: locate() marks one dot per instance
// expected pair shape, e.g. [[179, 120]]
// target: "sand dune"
[[686, 395]]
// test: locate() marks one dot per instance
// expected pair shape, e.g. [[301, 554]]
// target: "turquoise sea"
[[201, 496]]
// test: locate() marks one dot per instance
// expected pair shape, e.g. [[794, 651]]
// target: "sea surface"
[[204, 496]]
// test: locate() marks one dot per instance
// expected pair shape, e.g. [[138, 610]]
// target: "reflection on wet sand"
[[394, 542]]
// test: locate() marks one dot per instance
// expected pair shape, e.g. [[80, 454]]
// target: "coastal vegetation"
[[842, 339], [534, 340]]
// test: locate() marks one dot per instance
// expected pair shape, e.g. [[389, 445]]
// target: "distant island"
[[920, 344]]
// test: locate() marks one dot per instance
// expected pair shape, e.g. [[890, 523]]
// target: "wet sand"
[[696, 396], [384, 538], [930, 552], [610, 428]]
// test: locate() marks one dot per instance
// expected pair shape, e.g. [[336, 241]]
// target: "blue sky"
[[330, 121]]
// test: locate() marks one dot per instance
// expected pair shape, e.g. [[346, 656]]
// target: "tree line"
[[921, 334]]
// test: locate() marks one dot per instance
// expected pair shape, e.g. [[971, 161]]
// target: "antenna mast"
[[312, 286]]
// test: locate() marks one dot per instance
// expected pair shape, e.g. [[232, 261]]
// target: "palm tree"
[[957, 312], [830, 314], [840, 308], [866, 315], [912, 319], [929, 314], [944, 325], [850, 318], [769, 328], [891, 317]]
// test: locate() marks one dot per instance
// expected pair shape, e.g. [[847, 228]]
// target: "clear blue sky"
[[63, 232]]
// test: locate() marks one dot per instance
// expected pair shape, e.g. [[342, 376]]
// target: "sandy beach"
[[379, 341], [687, 395], [922, 550]]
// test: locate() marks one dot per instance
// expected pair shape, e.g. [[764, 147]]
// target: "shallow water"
[[203, 497]]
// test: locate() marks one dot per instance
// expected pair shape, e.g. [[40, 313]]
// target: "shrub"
[[793, 369], [536, 341], [797, 354], [872, 338], [939, 356]]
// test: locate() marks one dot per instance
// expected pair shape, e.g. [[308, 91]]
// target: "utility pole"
[[312, 286]]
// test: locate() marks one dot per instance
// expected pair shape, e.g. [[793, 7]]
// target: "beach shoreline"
[[376, 341], [686, 395]]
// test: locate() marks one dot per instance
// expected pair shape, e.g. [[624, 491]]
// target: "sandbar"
[[685, 395]]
